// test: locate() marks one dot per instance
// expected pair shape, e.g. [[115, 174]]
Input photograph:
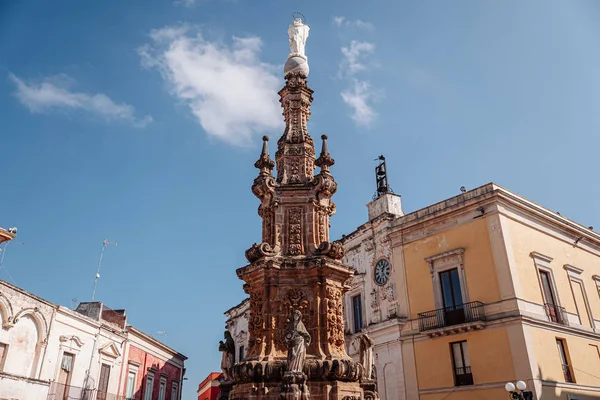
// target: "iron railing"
[[463, 376], [556, 314], [448, 316], [567, 373], [59, 391]]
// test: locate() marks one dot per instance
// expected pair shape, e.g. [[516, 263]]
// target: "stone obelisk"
[[295, 278]]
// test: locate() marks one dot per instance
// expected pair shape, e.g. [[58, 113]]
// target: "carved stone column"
[[296, 267]]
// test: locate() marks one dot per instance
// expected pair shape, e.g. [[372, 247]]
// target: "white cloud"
[[359, 98], [185, 3], [360, 24], [53, 94], [352, 62], [227, 88]]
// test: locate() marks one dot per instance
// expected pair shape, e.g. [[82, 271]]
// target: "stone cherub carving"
[[228, 349], [298, 33], [366, 355], [298, 339]]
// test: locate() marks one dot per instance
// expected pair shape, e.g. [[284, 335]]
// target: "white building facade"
[[24, 337], [52, 352], [237, 325], [374, 305]]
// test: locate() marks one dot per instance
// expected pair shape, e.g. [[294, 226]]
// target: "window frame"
[[4, 355], [562, 345], [542, 263], [466, 361], [443, 262], [175, 388], [355, 327], [162, 388], [241, 353], [148, 393], [574, 275], [132, 370]]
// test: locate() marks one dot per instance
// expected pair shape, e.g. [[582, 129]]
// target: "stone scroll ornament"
[[227, 360]]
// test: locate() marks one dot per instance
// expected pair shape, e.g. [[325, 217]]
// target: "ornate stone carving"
[[295, 171], [256, 321], [388, 292], [298, 33], [366, 355], [334, 250], [297, 339], [295, 231], [259, 250], [335, 317], [227, 360]]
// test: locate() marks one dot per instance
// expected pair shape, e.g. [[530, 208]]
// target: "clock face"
[[382, 272]]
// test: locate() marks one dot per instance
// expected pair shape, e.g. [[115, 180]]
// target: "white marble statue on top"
[[298, 32]]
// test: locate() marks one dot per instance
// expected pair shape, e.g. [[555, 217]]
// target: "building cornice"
[[28, 294], [237, 308], [132, 330]]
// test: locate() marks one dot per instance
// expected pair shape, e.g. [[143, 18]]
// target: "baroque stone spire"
[[295, 278]]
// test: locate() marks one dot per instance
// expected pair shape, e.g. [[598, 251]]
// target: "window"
[[451, 293], [461, 364], [357, 313], [64, 376], [130, 391], [553, 310], [162, 389], [3, 352], [175, 391], [564, 359], [103, 382], [241, 354], [448, 278], [149, 385]]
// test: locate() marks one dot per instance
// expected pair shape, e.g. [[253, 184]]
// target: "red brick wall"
[[146, 361]]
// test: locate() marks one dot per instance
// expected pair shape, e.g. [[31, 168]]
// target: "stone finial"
[[264, 163], [324, 161]]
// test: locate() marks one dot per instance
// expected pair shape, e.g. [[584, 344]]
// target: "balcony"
[[463, 376], [556, 314], [59, 391], [455, 319]]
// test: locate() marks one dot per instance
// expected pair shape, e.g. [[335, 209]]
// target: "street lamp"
[[520, 393]]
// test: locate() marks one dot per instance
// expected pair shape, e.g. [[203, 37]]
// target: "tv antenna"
[[163, 333], [104, 244]]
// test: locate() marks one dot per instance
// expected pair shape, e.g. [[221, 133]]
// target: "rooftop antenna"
[[163, 333], [104, 244]]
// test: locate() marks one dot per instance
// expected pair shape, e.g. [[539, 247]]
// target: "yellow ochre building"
[[487, 288]]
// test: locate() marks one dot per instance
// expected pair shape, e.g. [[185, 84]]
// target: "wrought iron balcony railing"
[[567, 373], [448, 316], [463, 376], [59, 391], [556, 314]]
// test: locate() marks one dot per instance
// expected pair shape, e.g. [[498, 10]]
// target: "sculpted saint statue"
[[298, 33], [298, 339], [228, 349], [366, 355]]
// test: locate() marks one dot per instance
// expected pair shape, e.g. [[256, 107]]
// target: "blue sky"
[[140, 121]]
